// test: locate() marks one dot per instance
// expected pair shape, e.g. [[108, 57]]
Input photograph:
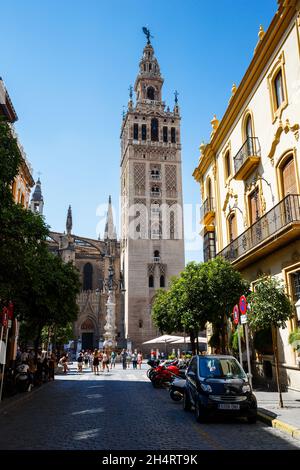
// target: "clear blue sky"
[[68, 64]]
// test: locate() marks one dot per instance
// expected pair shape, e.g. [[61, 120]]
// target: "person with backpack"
[[80, 362], [113, 358]]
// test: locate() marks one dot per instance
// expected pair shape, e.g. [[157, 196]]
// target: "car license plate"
[[228, 406]]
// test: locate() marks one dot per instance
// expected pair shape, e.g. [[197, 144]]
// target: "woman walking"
[[96, 362], [139, 359], [105, 362]]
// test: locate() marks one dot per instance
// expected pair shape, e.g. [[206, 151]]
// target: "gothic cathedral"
[[152, 239]]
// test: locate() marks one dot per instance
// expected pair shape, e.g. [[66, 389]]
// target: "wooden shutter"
[[254, 206], [289, 178]]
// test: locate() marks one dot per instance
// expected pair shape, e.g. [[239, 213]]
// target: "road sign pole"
[[248, 353], [240, 345], [3, 367]]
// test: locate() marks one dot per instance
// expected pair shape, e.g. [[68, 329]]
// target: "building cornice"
[[263, 53]]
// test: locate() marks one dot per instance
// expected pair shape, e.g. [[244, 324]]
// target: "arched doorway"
[[87, 334]]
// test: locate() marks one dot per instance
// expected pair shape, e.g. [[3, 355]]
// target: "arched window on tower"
[[162, 281], [156, 256], [150, 93], [88, 277], [173, 135], [154, 130], [151, 281]]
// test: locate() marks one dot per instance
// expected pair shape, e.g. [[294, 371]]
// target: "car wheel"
[[252, 419], [199, 413], [186, 401]]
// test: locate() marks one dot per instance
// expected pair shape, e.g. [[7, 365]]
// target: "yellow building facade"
[[24, 181], [249, 174]]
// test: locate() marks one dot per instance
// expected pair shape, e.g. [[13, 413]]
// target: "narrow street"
[[121, 410]]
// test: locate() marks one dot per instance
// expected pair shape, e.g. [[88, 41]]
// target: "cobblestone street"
[[121, 410]]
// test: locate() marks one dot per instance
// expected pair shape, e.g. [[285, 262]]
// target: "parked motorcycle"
[[164, 374], [177, 388]]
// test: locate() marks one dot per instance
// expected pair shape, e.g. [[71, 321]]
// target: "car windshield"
[[218, 368]]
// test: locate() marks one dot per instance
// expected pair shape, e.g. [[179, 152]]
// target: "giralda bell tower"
[[152, 244]]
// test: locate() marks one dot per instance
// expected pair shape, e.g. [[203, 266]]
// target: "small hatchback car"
[[218, 384]]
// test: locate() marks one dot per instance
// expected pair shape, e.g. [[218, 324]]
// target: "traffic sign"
[[244, 319], [243, 305], [236, 315]]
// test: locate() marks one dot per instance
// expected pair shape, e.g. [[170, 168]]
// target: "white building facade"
[[249, 174]]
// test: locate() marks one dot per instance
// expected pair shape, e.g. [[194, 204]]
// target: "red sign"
[[243, 305], [236, 315], [10, 312]]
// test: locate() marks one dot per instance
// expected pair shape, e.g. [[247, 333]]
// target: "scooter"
[[177, 388], [22, 379]]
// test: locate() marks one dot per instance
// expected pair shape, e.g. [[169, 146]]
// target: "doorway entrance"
[[87, 341], [87, 334]]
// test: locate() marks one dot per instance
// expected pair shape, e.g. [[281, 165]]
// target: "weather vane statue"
[[176, 96], [130, 89], [146, 31]]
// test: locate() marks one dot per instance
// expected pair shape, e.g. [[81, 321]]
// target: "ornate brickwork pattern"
[[139, 171], [171, 180], [151, 268]]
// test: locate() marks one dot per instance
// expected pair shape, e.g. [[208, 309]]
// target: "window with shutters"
[[254, 206], [278, 87], [232, 227], [289, 185]]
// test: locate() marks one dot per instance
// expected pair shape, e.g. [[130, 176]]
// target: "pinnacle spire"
[[37, 193], [37, 201], [110, 229], [69, 222]]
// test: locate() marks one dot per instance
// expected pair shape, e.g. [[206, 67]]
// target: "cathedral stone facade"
[[152, 245], [94, 259]]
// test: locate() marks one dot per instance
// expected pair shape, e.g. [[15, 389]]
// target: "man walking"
[[124, 358]]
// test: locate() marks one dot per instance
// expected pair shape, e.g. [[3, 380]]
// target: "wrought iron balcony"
[[247, 158], [155, 193], [207, 210], [271, 231], [155, 176]]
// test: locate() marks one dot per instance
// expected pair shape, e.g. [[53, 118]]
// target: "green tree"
[[42, 288], [225, 286], [51, 290], [270, 307], [180, 309]]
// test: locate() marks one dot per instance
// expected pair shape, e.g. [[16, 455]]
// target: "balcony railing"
[[247, 158], [280, 224], [155, 193], [207, 209], [156, 259], [155, 176]]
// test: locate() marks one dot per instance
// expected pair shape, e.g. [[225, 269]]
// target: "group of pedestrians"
[[128, 357], [102, 360]]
